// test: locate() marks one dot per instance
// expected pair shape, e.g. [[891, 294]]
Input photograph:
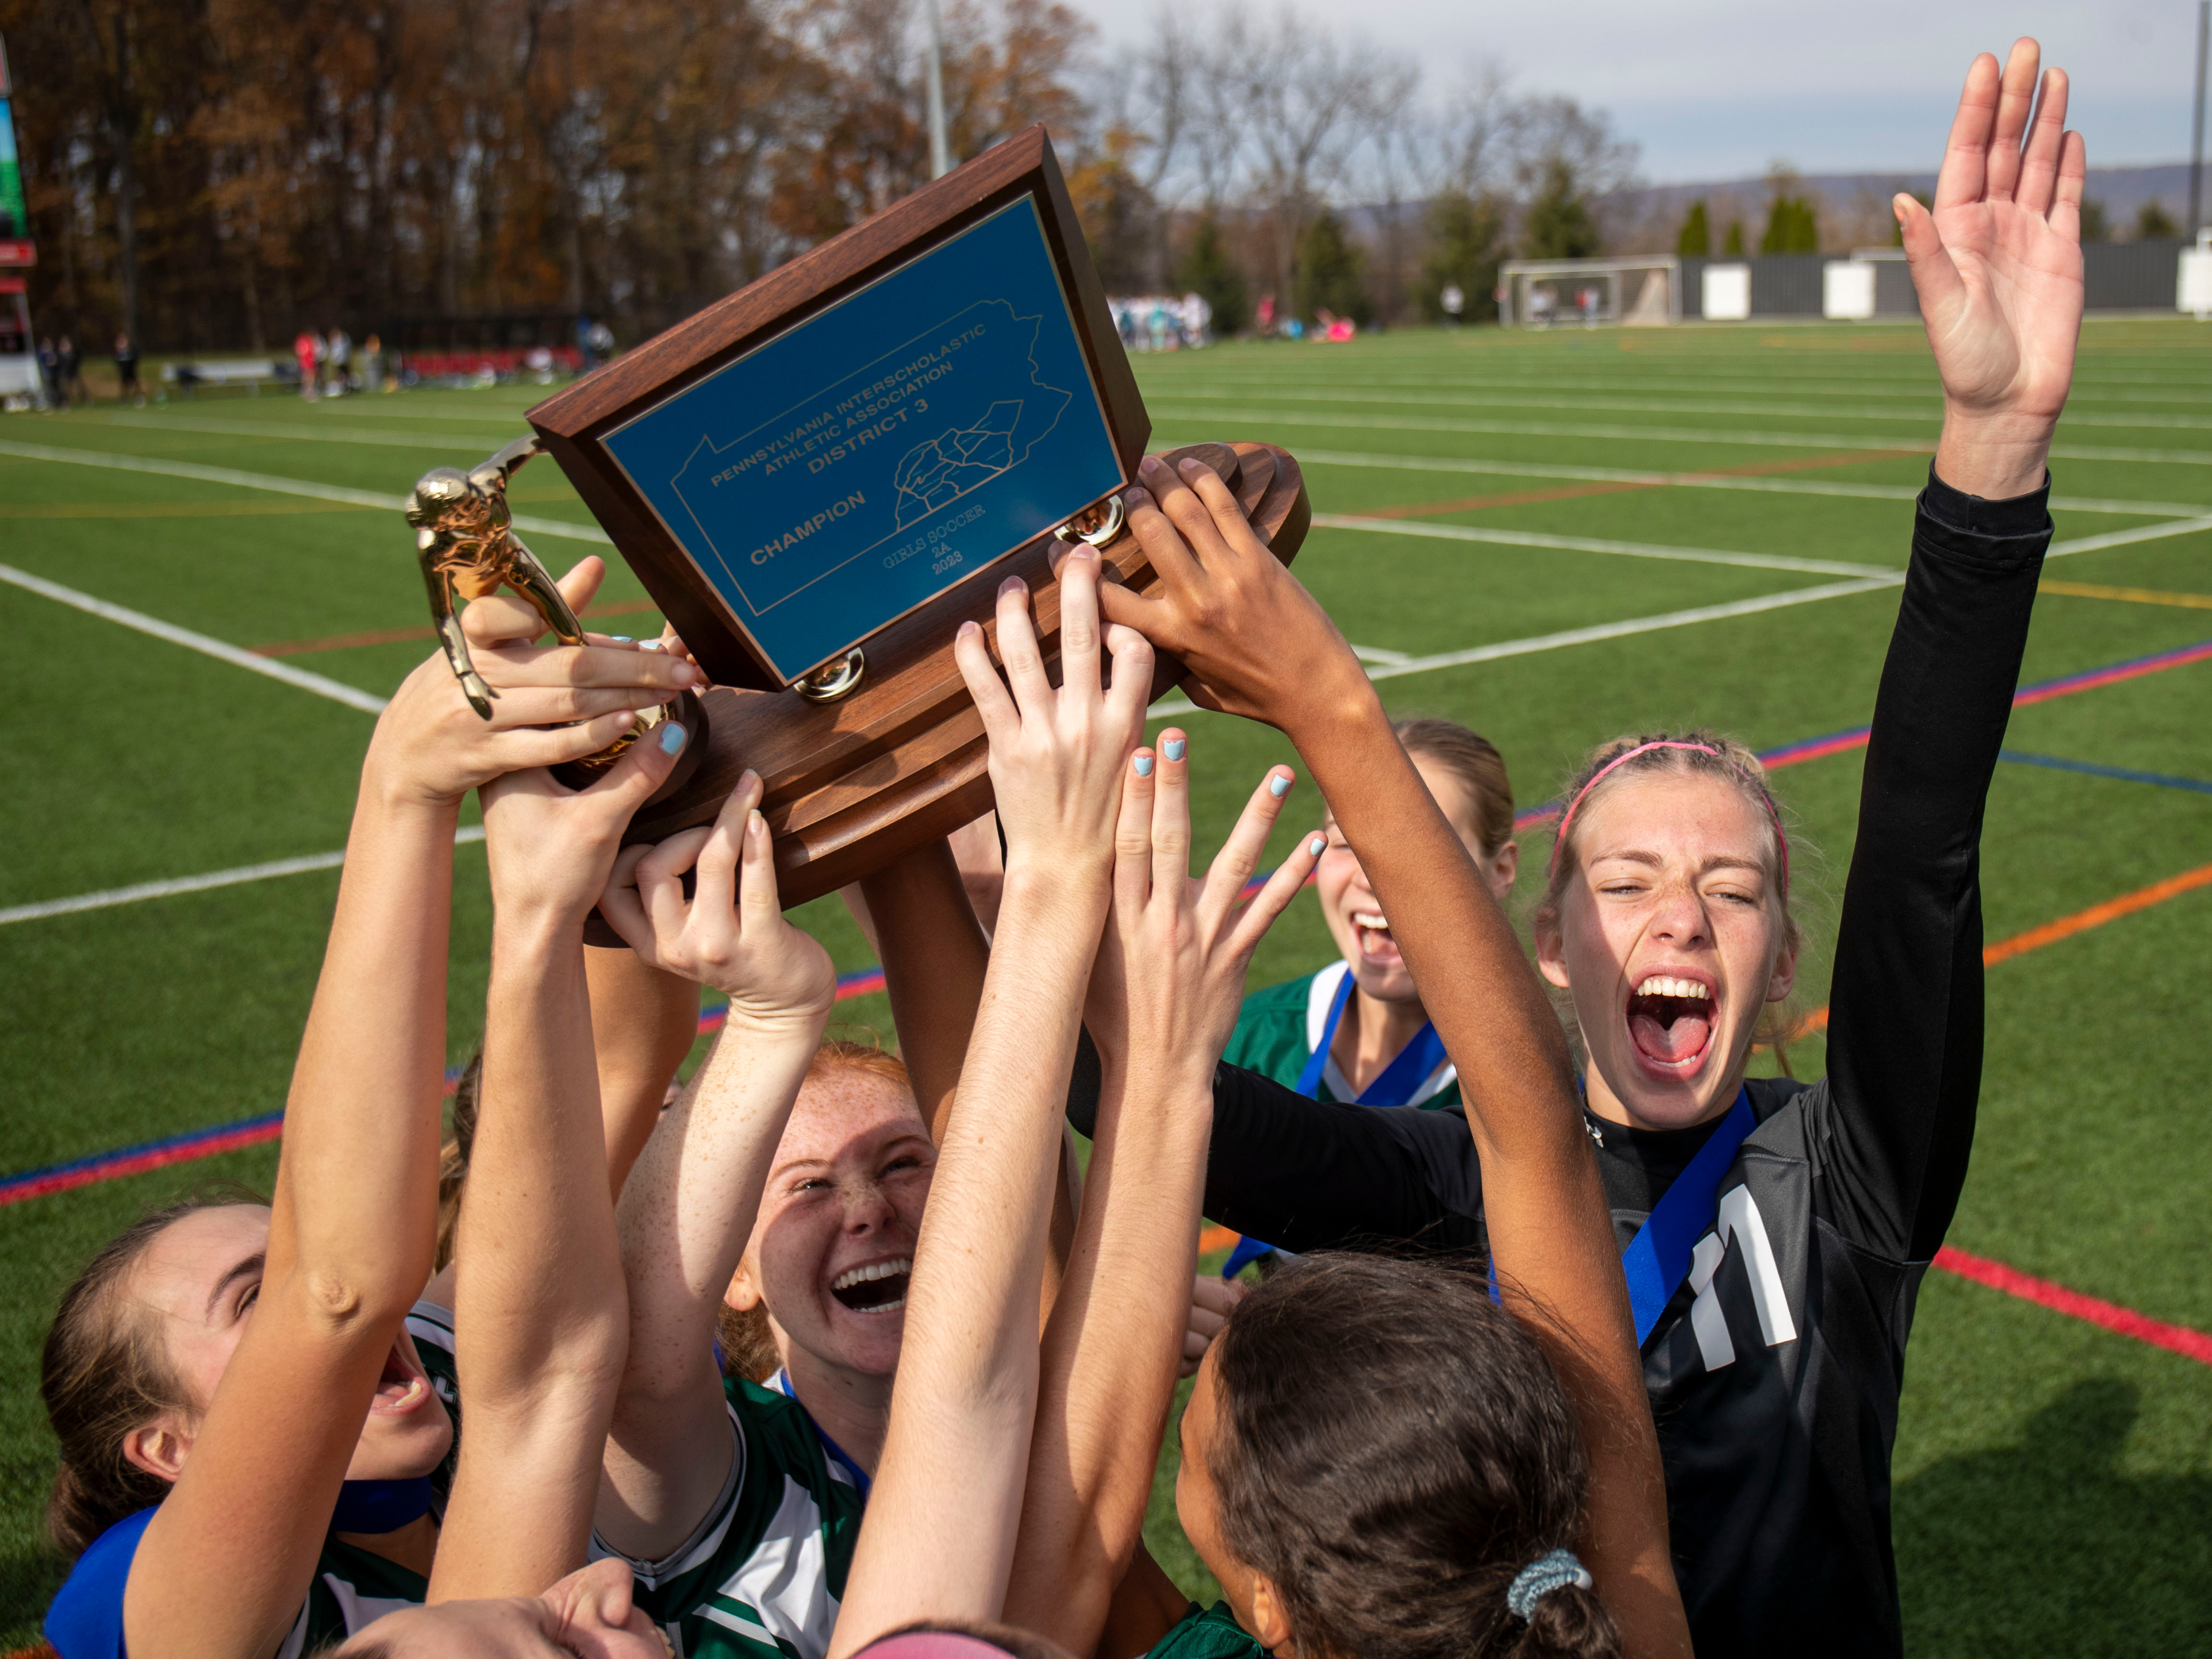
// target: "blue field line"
[[2124, 773]]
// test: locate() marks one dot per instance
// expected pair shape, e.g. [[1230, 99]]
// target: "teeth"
[[1373, 919], [845, 1282], [1659, 985]]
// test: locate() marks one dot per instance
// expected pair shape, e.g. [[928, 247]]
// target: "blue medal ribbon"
[[380, 1505], [837, 1454], [1658, 1259], [1394, 1085]]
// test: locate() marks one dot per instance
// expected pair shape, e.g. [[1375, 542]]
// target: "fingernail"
[[1173, 748], [673, 739], [1133, 498], [747, 778], [687, 675], [621, 639], [1144, 766], [754, 821], [1278, 788], [1188, 464], [965, 630], [1314, 846], [650, 644]]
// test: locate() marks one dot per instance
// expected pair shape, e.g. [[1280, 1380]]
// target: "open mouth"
[[880, 1287], [1372, 930], [403, 1386], [1671, 1022]]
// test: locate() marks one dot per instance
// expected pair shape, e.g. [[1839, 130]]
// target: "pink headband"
[[1568, 817]]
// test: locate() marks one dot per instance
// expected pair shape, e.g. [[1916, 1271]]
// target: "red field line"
[[400, 636], [1571, 492], [2126, 1321]]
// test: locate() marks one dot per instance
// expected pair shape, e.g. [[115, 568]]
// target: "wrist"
[[532, 930], [798, 1027], [1995, 456]]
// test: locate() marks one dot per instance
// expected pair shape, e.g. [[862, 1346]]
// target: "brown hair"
[[1701, 753], [1393, 1449], [104, 1372], [1474, 761], [749, 1349], [453, 1156]]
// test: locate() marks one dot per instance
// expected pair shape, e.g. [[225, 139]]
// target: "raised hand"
[[1057, 754], [431, 746], [1170, 974], [1998, 265], [1256, 643], [731, 933], [550, 848]]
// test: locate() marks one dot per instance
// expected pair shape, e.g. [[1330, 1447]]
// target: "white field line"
[[154, 890], [1707, 613], [338, 434], [1628, 387], [352, 697], [1376, 653], [318, 492], [1509, 400], [1662, 434], [1593, 634], [1460, 532], [1711, 481]]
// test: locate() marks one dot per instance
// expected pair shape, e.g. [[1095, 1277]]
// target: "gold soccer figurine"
[[464, 539]]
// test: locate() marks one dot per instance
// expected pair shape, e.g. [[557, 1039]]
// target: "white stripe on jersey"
[[1322, 993], [1739, 1218], [696, 1550], [787, 1582], [739, 1623]]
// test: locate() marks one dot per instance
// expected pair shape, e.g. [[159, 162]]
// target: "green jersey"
[[1213, 1634], [1279, 1029], [761, 1575]]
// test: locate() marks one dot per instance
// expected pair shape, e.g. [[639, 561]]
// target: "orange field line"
[[2132, 595]]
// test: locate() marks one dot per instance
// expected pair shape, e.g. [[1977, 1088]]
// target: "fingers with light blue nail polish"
[[673, 737], [1314, 846], [1279, 785], [1173, 748], [1144, 766]]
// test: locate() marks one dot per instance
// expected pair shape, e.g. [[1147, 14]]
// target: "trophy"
[[820, 476]]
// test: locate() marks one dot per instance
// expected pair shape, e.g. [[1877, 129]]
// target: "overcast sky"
[[1715, 89]]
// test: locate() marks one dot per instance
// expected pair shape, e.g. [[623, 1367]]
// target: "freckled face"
[[201, 1279], [832, 1251], [1671, 937], [1355, 916]]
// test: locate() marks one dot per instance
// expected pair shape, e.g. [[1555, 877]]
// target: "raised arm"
[[644, 1020], [1256, 643], [228, 1557], [1164, 1001], [1998, 267], [540, 1322], [938, 1542], [692, 1196]]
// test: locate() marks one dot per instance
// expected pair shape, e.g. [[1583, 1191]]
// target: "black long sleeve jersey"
[[1775, 1371]]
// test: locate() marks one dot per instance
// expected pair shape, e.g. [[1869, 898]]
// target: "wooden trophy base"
[[900, 762]]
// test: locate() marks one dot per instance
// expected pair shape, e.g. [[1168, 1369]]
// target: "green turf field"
[[1481, 495]]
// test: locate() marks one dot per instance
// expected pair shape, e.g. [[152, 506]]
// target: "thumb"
[[582, 584], [1935, 277], [643, 768]]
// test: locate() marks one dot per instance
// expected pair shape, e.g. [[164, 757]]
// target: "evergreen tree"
[[2153, 221], [1465, 238], [1207, 271], [1558, 225], [2096, 225], [1732, 247], [1696, 241], [1327, 272], [1791, 227]]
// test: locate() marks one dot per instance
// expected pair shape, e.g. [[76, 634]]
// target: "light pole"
[[2197, 122], [941, 153]]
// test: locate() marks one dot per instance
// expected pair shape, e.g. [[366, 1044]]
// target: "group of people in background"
[[1564, 1336], [61, 373], [331, 366], [1161, 322]]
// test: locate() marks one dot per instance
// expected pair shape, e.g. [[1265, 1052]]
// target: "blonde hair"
[[749, 1349], [1474, 761], [1700, 753]]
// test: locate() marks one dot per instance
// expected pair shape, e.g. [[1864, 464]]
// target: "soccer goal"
[[1634, 292]]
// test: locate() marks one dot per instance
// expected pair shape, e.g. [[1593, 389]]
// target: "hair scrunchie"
[[1540, 1578]]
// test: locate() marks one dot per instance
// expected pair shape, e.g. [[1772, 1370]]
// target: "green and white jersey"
[[352, 1590], [1213, 1634], [1279, 1029], [761, 1576]]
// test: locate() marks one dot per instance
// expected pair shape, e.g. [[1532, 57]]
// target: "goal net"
[[1633, 292]]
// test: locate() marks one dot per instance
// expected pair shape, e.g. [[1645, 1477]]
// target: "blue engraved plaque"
[[863, 462]]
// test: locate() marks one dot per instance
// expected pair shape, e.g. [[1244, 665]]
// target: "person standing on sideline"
[[304, 352], [50, 374], [73, 373], [126, 372]]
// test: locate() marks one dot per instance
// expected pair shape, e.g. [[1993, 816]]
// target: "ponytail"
[[1568, 1623]]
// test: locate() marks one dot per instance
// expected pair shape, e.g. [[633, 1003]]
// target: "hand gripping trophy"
[[464, 539]]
